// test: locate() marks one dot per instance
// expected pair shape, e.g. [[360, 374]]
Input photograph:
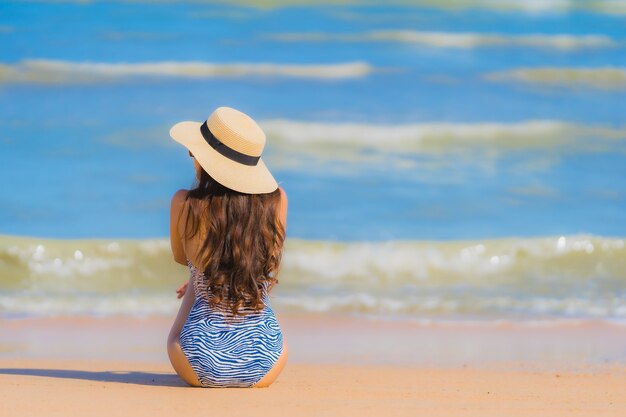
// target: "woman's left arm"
[[177, 245]]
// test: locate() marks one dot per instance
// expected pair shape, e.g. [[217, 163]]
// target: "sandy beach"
[[116, 365], [104, 388]]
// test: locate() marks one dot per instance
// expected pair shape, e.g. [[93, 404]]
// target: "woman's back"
[[225, 349]]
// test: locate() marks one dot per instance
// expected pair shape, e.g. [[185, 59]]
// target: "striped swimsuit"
[[228, 351]]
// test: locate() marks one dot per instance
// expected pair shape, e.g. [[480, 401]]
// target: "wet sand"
[[338, 366]]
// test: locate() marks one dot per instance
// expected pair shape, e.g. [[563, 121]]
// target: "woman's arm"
[[177, 245], [183, 312]]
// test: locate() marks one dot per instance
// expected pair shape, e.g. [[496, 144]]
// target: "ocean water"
[[443, 160]]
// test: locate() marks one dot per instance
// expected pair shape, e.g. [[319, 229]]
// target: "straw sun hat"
[[228, 145]]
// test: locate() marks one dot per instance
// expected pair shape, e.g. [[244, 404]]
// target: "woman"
[[229, 230]]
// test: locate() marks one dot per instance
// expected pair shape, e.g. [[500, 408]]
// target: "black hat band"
[[223, 149]]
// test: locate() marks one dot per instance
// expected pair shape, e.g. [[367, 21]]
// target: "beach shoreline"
[[338, 365], [339, 339]]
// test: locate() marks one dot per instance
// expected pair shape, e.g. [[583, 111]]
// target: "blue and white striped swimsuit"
[[227, 351]]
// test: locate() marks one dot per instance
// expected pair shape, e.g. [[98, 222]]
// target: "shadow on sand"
[[124, 377]]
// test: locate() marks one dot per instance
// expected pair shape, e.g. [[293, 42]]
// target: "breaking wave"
[[41, 71], [601, 78], [564, 42], [440, 137], [577, 276]]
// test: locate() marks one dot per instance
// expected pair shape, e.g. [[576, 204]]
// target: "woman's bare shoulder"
[[180, 195], [177, 200], [177, 214]]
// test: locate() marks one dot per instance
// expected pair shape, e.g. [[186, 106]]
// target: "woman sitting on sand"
[[229, 230]]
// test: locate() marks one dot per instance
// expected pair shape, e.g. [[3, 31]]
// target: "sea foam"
[[601, 78], [464, 40], [44, 71], [577, 276]]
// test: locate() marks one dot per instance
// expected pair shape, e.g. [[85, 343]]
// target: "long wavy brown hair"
[[242, 244]]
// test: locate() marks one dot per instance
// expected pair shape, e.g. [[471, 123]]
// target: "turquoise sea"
[[443, 160]]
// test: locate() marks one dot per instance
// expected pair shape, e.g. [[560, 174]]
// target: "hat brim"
[[247, 179]]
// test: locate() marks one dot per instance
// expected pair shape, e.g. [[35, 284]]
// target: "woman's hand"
[[182, 290]]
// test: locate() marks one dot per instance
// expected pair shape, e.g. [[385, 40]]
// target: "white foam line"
[[526, 6], [601, 78], [455, 40], [67, 72], [533, 6], [420, 135]]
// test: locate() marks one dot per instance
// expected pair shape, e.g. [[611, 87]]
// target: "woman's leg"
[[271, 376], [180, 363]]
